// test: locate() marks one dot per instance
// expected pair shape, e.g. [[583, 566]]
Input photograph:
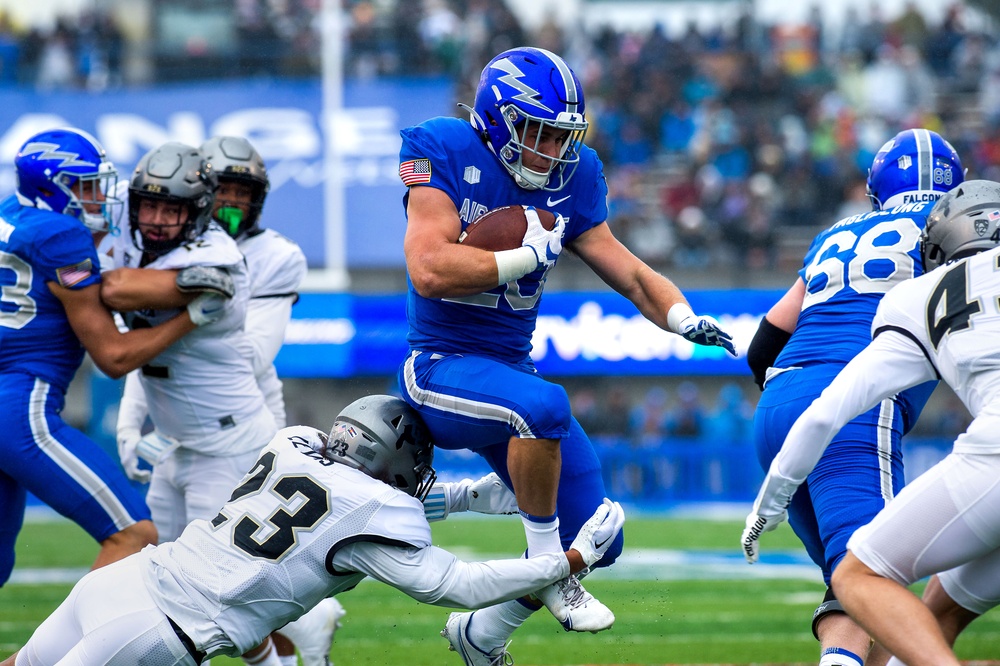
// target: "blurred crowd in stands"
[[719, 143]]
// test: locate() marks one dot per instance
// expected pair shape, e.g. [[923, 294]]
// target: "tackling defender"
[[224, 585], [51, 313], [942, 325], [472, 312], [822, 322]]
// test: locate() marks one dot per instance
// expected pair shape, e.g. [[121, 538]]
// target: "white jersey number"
[[269, 525], [885, 248], [17, 293]]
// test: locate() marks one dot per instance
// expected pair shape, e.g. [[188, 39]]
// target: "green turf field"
[[661, 619]]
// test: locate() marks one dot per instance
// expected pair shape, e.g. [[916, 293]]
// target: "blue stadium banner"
[[578, 333], [283, 120]]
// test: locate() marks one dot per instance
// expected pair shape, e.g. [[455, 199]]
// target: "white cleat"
[[313, 633], [456, 630], [574, 607]]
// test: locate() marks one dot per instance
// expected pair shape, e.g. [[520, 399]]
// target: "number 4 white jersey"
[[953, 314]]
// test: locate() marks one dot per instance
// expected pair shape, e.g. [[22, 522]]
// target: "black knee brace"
[[829, 605]]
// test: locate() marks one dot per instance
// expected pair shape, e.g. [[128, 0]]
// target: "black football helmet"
[[234, 159], [175, 173]]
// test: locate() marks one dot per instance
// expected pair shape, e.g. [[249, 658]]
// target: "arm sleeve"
[[767, 343], [132, 409], [265, 326], [445, 499], [891, 363], [435, 576]]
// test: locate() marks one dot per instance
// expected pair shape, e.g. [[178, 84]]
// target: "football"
[[502, 228]]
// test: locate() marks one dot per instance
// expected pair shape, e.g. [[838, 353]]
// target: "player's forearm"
[[134, 349], [435, 576], [859, 386], [132, 409], [452, 271], [128, 289]]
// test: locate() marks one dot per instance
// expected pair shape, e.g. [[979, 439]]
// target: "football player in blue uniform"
[[819, 325], [50, 314], [472, 312]]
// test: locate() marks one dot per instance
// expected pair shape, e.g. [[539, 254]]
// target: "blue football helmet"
[[917, 163], [66, 170], [176, 177], [521, 92]]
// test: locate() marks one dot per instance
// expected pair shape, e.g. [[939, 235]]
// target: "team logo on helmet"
[[526, 93], [981, 226], [50, 151]]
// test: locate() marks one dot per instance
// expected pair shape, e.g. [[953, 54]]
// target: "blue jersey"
[[498, 323], [847, 270], [37, 247]]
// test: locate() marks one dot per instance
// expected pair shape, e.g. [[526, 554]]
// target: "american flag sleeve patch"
[[71, 275], [415, 172]]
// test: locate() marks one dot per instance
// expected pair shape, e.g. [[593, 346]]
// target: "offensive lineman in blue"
[[472, 312], [819, 325], [50, 314]]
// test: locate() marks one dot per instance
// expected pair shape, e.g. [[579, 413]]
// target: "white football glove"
[[207, 308], [599, 532], [128, 440], [769, 511], [154, 447], [487, 495], [546, 244]]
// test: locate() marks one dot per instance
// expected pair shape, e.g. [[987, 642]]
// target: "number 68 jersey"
[[847, 270]]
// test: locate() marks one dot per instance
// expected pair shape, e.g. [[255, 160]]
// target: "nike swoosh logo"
[[549, 202], [601, 545]]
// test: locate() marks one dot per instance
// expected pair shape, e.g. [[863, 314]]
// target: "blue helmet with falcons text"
[[522, 92], [915, 165], [66, 170]]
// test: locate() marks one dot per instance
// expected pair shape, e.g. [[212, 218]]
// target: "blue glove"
[[704, 330]]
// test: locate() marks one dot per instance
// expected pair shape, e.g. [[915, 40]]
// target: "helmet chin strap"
[[531, 180]]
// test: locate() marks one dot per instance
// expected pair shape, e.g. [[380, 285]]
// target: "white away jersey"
[[277, 265], [953, 314], [277, 268], [265, 558], [300, 528], [201, 388]]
